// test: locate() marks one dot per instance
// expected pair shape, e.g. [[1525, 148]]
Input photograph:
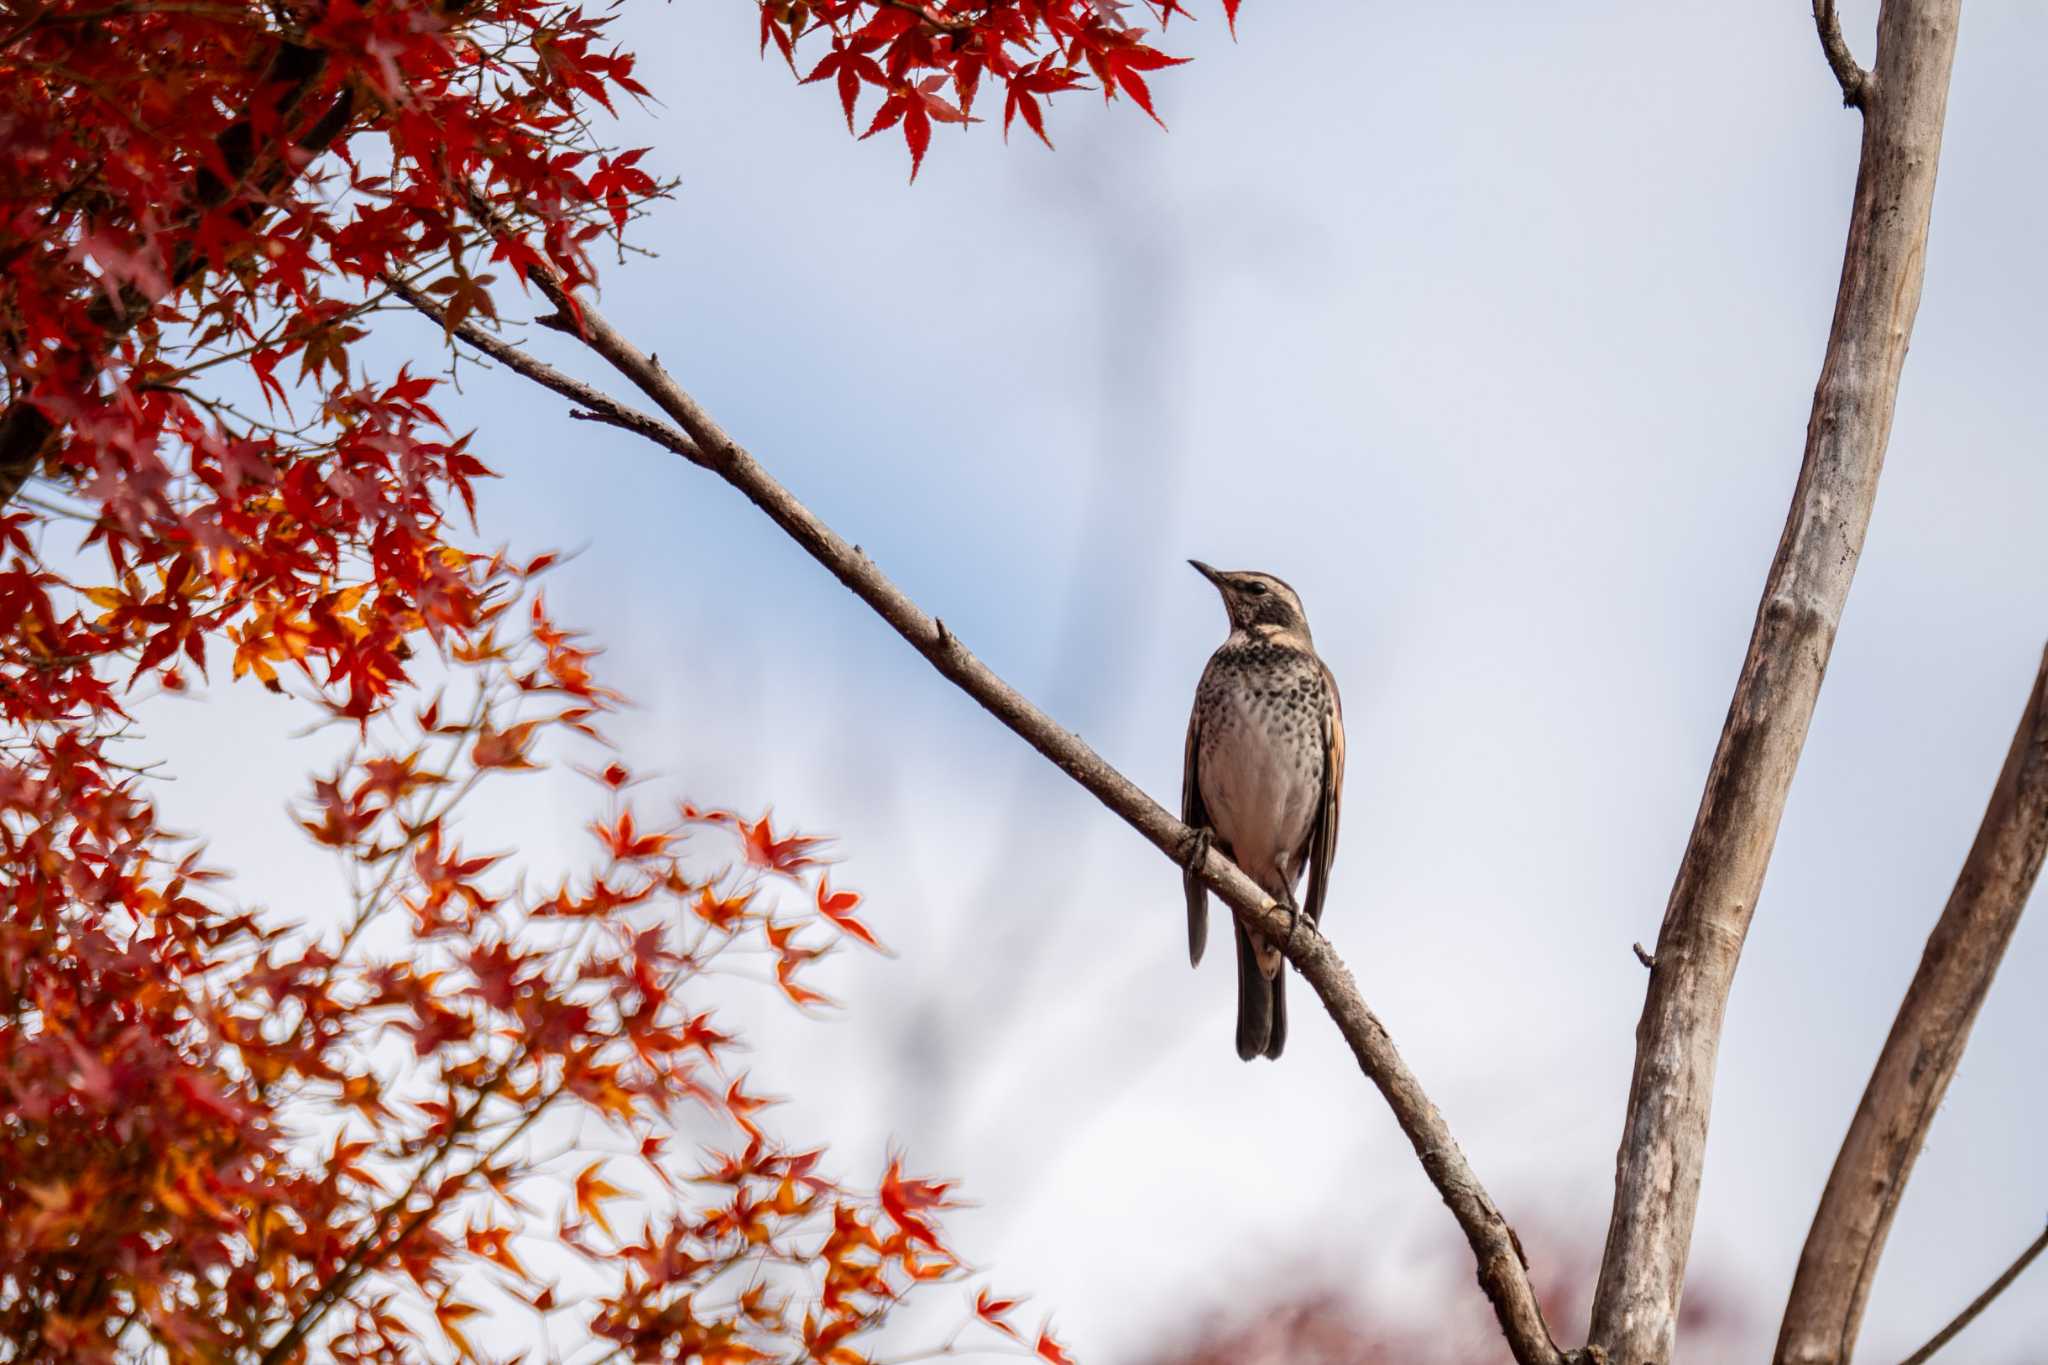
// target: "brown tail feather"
[[1261, 1005]]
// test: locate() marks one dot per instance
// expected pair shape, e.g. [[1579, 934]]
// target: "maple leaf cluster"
[[926, 59], [202, 206], [237, 1139]]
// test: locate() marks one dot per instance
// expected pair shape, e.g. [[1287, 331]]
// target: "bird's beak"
[[1205, 571]]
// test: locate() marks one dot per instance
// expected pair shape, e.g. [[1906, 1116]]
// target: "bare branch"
[[593, 403], [1657, 1171], [1855, 81], [1502, 1271], [1980, 1303], [1840, 1259]]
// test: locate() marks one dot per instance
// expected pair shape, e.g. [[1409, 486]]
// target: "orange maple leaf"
[[449, 1312], [992, 1310], [592, 1189], [783, 855], [837, 906], [1050, 1350], [504, 749]]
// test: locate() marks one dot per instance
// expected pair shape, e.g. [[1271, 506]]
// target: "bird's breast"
[[1261, 756]]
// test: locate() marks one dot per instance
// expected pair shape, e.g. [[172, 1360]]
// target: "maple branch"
[[1980, 1303], [1839, 1261], [1502, 1269], [1854, 80], [374, 1247], [1657, 1170]]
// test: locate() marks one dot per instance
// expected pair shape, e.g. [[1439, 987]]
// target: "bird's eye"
[[1255, 589]]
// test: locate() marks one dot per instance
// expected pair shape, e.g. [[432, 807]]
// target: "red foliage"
[[165, 1063], [926, 59]]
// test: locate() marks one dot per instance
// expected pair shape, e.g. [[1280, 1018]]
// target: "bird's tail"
[[1261, 1002]]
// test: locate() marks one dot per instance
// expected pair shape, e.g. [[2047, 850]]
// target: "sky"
[[1493, 329]]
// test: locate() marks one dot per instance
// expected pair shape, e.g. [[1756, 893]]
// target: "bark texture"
[[1657, 1176], [1840, 1259], [691, 433]]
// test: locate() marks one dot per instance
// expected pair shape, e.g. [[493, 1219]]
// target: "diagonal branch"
[[1657, 1170], [1840, 1259], [1980, 1303], [1855, 81], [1502, 1270], [592, 403]]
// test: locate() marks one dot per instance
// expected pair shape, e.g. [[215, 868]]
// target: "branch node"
[[1854, 80], [1647, 959], [557, 321]]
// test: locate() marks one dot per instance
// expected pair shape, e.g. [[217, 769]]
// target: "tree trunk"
[[1657, 1178]]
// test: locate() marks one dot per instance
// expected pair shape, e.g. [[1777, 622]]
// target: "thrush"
[[1264, 771]]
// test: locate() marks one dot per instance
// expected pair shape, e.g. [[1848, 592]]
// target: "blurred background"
[[1493, 329]]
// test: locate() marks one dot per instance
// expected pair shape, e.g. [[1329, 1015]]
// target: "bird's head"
[[1258, 603]]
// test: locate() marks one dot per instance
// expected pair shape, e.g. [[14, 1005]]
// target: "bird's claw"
[[1293, 924], [1198, 850]]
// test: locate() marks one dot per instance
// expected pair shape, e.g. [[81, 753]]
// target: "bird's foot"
[[1293, 922], [1198, 850]]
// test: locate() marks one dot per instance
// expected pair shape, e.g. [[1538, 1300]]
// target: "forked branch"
[[1854, 79], [1502, 1272], [1839, 1261]]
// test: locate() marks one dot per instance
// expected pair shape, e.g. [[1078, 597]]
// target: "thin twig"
[[1980, 1303], [594, 404], [1854, 80]]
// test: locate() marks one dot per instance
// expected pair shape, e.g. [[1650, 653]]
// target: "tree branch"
[[1855, 81], [1502, 1271], [1980, 1303], [1840, 1259], [592, 403], [1657, 1170]]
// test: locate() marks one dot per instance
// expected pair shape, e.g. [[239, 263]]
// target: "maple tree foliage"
[[926, 61], [227, 1136], [168, 1068]]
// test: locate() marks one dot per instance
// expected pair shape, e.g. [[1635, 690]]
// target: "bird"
[[1262, 782]]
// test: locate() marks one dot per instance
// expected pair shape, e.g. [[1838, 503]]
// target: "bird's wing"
[[1322, 839], [1195, 816]]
